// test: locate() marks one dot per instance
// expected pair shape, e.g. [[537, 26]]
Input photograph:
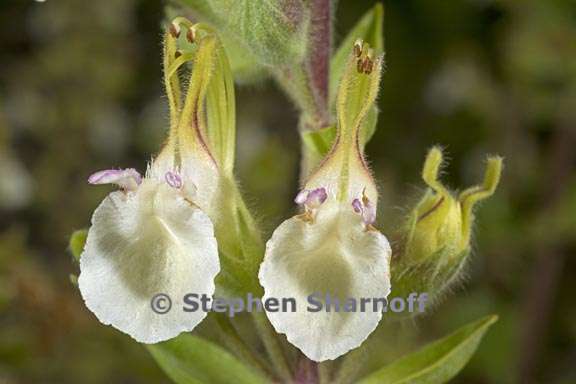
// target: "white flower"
[[156, 234], [332, 248], [333, 254], [147, 239]]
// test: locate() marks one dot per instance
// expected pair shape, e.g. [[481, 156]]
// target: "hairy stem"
[[235, 343], [307, 83], [318, 61], [272, 345]]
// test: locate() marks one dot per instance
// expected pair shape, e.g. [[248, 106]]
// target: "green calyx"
[[442, 220], [436, 240], [205, 118]]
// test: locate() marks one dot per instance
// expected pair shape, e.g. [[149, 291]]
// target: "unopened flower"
[[437, 238], [332, 247], [155, 235]]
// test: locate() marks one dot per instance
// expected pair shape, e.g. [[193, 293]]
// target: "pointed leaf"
[[438, 362], [189, 359]]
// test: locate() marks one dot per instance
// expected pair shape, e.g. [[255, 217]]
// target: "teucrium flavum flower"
[[437, 234], [332, 247], [156, 234]]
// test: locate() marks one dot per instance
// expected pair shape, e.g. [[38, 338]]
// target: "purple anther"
[[365, 209], [357, 205], [173, 179], [127, 179], [316, 197]]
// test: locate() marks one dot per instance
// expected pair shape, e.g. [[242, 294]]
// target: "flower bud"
[[436, 240]]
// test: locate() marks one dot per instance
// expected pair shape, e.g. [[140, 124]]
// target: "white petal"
[[142, 243], [335, 255]]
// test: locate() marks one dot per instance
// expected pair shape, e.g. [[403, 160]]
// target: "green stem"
[[349, 368], [297, 84], [235, 343], [307, 82], [272, 345], [324, 372]]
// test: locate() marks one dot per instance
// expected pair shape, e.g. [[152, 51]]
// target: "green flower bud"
[[436, 239]]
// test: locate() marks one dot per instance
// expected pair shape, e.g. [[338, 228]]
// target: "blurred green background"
[[80, 90]]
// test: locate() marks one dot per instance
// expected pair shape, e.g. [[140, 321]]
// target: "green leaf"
[[316, 145], [273, 31], [370, 29], [320, 141], [189, 359], [438, 362], [244, 66], [76, 243]]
